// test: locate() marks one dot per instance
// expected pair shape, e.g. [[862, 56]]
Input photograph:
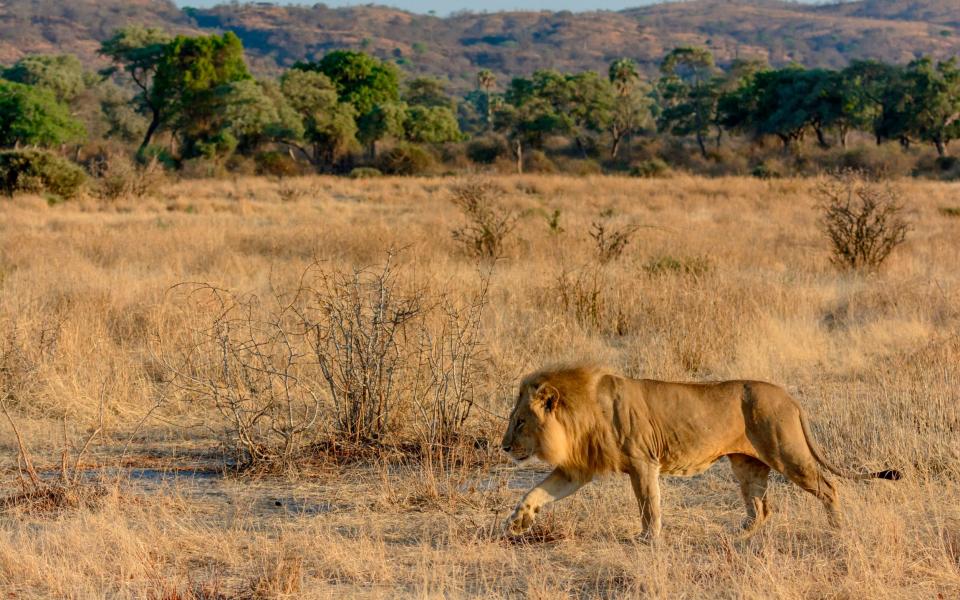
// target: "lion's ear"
[[547, 396]]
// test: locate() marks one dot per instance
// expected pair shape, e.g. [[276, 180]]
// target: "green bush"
[[406, 159], [650, 169], [365, 173], [537, 161], [277, 164], [39, 172], [486, 150]]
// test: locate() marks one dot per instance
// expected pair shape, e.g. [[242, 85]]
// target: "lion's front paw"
[[521, 519]]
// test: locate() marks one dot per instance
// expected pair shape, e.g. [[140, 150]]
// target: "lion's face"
[[533, 429]]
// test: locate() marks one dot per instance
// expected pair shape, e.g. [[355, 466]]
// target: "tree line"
[[179, 99]]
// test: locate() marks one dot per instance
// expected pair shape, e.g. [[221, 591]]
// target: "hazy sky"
[[447, 6]]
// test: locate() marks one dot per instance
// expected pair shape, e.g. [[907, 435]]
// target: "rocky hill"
[[510, 43]]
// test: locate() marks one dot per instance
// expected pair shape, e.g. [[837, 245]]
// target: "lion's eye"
[[520, 425]]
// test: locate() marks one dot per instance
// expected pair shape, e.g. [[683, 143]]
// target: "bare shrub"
[[585, 294], [450, 356], [863, 220], [45, 495], [610, 240], [119, 177], [488, 222], [342, 352], [252, 363], [359, 336]]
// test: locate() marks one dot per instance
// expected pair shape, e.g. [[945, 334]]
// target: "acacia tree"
[[193, 79], [869, 93], [138, 51], [689, 93], [933, 105]]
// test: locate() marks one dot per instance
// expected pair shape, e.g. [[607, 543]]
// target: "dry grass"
[[875, 359]]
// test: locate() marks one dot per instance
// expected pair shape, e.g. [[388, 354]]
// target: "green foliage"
[[137, 52], [39, 172], [383, 121], [406, 159], [689, 90], [194, 80], [932, 106], [33, 116], [632, 106], [431, 125], [428, 92], [256, 113], [61, 74], [329, 126], [552, 103], [360, 79]]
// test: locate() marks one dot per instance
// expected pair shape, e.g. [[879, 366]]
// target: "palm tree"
[[486, 81], [623, 74]]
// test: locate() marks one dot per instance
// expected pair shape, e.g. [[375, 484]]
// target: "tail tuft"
[[891, 474]]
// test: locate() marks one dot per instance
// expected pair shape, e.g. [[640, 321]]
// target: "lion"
[[586, 421]]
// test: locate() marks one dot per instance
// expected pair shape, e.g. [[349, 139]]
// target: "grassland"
[[723, 278]]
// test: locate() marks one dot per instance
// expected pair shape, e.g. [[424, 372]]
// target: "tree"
[[486, 82], [193, 81], [631, 110], [530, 111], [61, 74], [360, 79], [623, 75], [33, 116], [933, 104], [384, 121], [784, 102], [867, 85], [689, 93], [329, 126], [256, 113], [589, 100], [431, 125], [427, 91], [138, 51]]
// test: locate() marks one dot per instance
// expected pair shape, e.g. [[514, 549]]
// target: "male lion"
[[586, 421]]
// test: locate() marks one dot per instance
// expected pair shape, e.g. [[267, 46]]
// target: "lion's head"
[[533, 425], [555, 419]]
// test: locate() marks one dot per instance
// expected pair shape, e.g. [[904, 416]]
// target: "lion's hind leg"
[[752, 475], [810, 477]]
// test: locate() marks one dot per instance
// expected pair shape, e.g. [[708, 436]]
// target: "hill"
[[510, 43]]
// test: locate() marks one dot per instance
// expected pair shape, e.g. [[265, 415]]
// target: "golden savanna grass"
[[724, 278]]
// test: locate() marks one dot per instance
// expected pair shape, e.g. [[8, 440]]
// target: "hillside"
[[513, 42]]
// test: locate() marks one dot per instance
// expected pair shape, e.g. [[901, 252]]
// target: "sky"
[[444, 7]]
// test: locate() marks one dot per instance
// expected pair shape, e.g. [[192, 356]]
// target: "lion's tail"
[[891, 474]]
